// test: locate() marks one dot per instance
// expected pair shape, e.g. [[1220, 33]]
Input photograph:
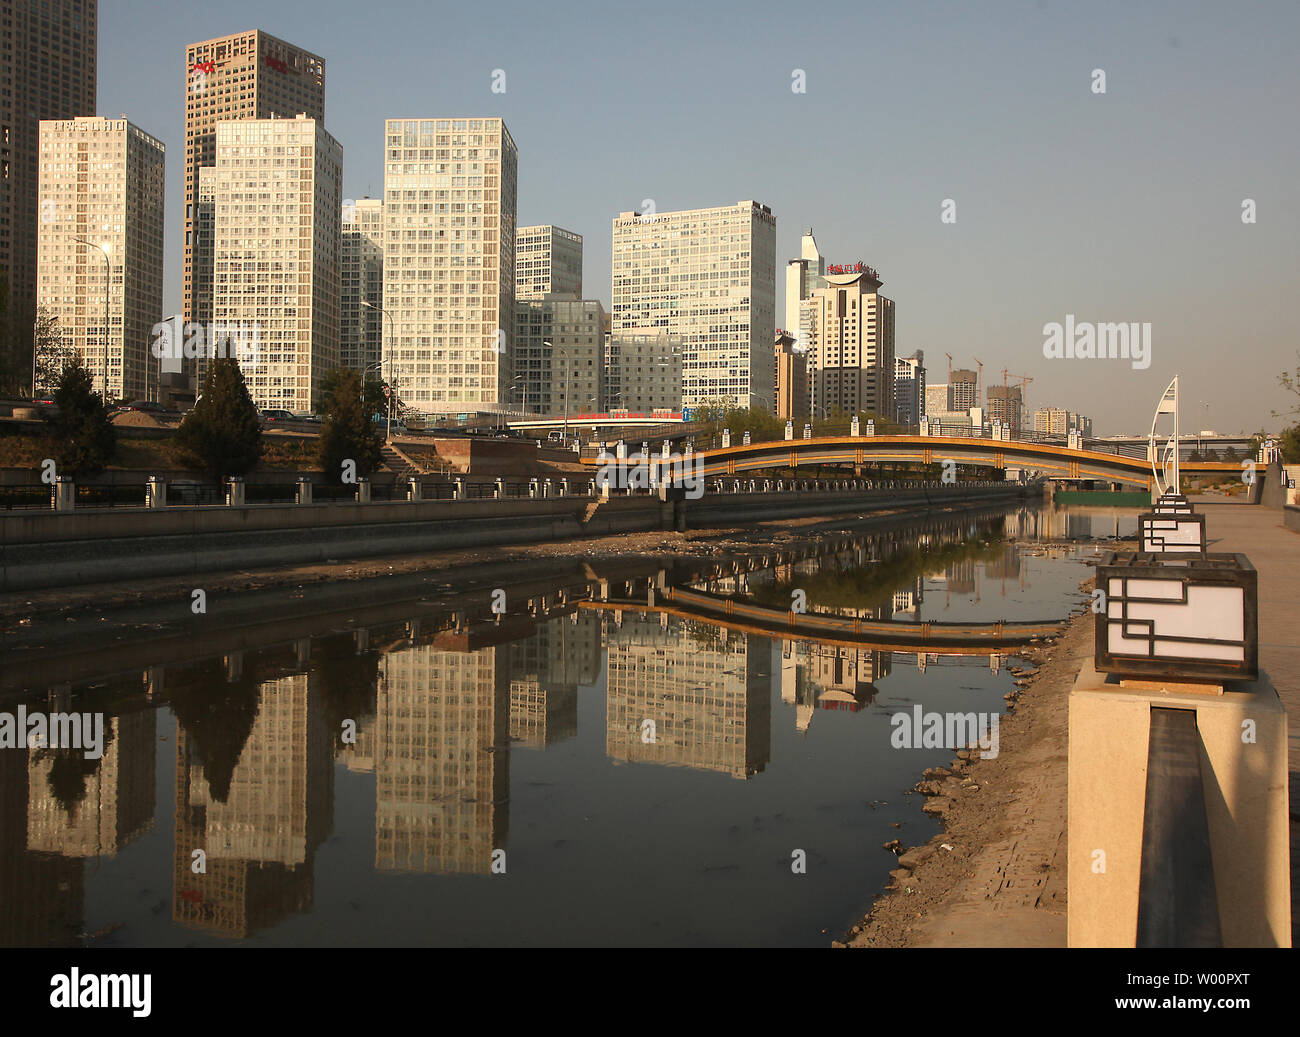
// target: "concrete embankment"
[[43, 549]]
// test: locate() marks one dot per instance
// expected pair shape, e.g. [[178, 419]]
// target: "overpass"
[[1051, 461]]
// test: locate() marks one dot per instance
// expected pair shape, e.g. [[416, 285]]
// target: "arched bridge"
[[1055, 462]]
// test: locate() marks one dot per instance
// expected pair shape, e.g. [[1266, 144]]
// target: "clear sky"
[[1122, 206]]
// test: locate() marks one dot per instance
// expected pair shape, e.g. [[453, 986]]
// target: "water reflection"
[[620, 688]]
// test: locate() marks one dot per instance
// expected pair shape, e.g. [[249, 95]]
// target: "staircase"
[[398, 463]]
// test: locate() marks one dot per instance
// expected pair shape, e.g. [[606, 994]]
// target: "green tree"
[[83, 435], [348, 433], [52, 351], [372, 393], [222, 434]]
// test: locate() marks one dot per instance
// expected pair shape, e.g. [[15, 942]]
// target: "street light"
[[392, 391], [104, 250]]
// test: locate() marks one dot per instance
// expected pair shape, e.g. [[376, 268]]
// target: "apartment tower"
[[548, 261], [48, 53], [708, 278], [851, 344], [449, 261], [102, 196], [361, 335]]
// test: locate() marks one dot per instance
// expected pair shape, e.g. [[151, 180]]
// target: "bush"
[[222, 434]]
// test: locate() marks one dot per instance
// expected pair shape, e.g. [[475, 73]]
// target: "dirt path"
[[995, 877]]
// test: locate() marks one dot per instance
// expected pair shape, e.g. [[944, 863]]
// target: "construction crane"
[[979, 382], [1024, 380], [949, 356]]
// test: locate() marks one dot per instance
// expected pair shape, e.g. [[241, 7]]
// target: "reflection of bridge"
[[1050, 460], [847, 631]]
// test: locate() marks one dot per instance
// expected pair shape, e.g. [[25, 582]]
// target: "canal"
[[607, 765]]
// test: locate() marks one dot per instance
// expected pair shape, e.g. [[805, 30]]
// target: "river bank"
[[995, 876]]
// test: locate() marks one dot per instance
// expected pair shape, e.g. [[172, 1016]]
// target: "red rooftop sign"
[[855, 268]]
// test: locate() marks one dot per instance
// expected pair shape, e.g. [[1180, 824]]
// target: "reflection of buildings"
[[261, 839], [960, 577], [1005, 566], [118, 804], [545, 671], [441, 759], [910, 599], [820, 676], [707, 691], [42, 896]]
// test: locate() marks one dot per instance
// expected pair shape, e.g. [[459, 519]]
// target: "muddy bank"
[[995, 875]]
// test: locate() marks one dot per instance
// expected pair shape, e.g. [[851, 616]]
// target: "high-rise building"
[[247, 75], [1051, 421], [1005, 406], [559, 356], [48, 52], [791, 377], [361, 334], [708, 278], [802, 276], [643, 373], [449, 261], [548, 261], [851, 344], [963, 389], [105, 225], [278, 276], [909, 388], [938, 400]]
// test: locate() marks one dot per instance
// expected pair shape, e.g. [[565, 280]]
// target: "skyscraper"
[[548, 261], [116, 211], [48, 51], [707, 277], [802, 275], [276, 278], [851, 344], [361, 337], [247, 75], [449, 261], [559, 355], [963, 389], [1005, 406], [909, 388]]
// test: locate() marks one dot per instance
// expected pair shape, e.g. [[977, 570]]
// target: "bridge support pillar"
[[1244, 806]]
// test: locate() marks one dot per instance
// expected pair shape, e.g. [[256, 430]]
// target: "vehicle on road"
[[271, 416]]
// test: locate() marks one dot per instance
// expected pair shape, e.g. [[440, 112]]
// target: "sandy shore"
[[995, 876]]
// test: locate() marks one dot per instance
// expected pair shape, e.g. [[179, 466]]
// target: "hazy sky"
[[1123, 206]]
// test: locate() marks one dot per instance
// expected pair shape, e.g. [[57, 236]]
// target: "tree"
[[222, 434], [52, 351], [1289, 441], [349, 433], [84, 439], [372, 394]]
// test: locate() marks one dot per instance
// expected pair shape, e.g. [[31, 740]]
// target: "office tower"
[[707, 691], [116, 800], [851, 344], [791, 378], [277, 277], [559, 356], [548, 261], [909, 388], [101, 181], [643, 373], [963, 389], [247, 75], [802, 276], [938, 400], [708, 278], [48, 52], [361, 334], [449, 261], [1005, 404]]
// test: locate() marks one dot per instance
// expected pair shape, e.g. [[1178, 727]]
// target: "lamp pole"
[[108, 277], [392, 391]]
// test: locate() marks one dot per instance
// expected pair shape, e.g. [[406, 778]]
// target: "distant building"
[[559, 356], [1005, 406], [361, 334], [851, 344], [643, 373], [963, 389], [548, 261], [119, 210], [706, 277], [937, 399], [909, 388], [1050, 421], [792, 399], [802, 276]]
